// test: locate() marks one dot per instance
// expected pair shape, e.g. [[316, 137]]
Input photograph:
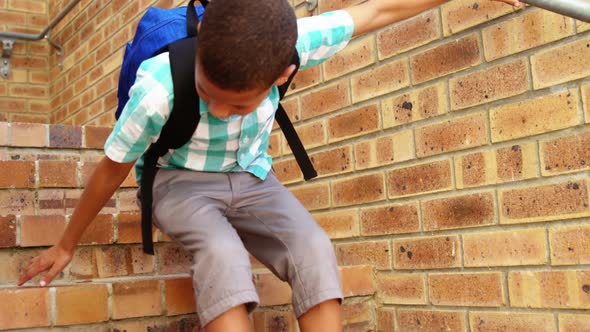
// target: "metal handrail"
[[8, 39], [578, 9]]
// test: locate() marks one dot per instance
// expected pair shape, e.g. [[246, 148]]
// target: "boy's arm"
[[375, 14], [107, 177]]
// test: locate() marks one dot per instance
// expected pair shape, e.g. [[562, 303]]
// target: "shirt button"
[[246, 140]]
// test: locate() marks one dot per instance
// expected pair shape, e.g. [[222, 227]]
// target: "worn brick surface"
[[339, 224], [445, 59], [57, 173], [325, 100], [17, 174], [467, 289], [459, 15], [385, 150], [17, 202], [357, 280], [312, 134], [100, 231], [358, 316], [415, 105], [431, 320], [427, 253], [136, 299], [386, 319], [274, 321], [565, 154], [549, 289], [68, 302], [408, 35], [376, 253], [535, 116], [24, 308], [180, 297], [498, 82], [358, 54], [335, 161], [402, 288], [561, 64], [451, 135], [525, 247], [28, 135], [95, 137], [355, 123], [511, 321], [173, 259], [544, 203], [358, 190], [61, 136], [313, 196], [524, 32], [386, 78], [390, 219], [424, 178], [569, 245]]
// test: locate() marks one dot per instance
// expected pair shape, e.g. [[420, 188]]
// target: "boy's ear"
[[285, 75]]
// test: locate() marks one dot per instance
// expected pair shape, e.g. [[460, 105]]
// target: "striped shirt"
[[234, 144]]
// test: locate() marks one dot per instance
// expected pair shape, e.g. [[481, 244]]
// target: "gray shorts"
[[220, 217]]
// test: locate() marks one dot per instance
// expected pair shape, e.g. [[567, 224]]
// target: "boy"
[[217, 195]]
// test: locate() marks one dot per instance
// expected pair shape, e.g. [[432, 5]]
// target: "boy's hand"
[[54, 259], [514, 3]]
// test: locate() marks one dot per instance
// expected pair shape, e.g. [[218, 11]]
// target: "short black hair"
[[246, 44]]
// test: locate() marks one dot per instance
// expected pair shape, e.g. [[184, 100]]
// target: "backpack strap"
[[289, 131], [192, 21], [177, 131]]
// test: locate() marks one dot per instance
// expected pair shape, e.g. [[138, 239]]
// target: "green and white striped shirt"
[[235, 144]]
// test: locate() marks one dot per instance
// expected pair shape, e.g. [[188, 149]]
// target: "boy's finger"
[[55, 269]]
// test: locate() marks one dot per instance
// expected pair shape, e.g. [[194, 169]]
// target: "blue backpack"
[[175, 31]]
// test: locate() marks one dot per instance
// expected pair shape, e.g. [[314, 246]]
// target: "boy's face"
[[224, 103]]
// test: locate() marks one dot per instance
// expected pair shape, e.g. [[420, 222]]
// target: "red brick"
[[4, 139], [271, 290], [24, 308], [83, 265], [467, 289], [357, 280], [358, 316], [376, 253], [535, 116], [524, 247], [545, 203], [463, 14], [419, 179], [402, 288], [313, 196], [359, 190], [29, 6], [113, 261], [385, 150], [561, 64], [325, 100], [472, 170], [41, 230], [95, 137], [409, 34], [100, 231], [358, 54], [525, 32], [17, 174], [517, 162], [173, 259], [390, 219], [335, 161], [274, 320], [458, 212], [305, 79], [569, 245], [431, 320], [452, 135], [335, 4], [498, 82], [28, 91], [385, 320], [361, 121], [14, 263], [7, 231], [339, 224], [129, 228], [136, 299], [566, 154], [415, 105], [69, 308], [511, 321], [288, 171], [445, 59], [386, 78], [180, 298], [427, 253], [549, 289], [57, 173], [312, 134]]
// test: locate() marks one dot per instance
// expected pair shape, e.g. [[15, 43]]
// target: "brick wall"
[[24, 96], [453, 158]]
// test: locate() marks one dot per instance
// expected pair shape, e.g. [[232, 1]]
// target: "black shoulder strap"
[[178, 130], [289, 131]]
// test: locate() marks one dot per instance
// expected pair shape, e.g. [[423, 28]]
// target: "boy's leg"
[[281, 234], [190, 207]]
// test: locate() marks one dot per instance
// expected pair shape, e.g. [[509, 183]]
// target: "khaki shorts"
[[220, 217]]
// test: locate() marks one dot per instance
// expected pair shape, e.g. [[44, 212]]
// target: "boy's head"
[[244, 48]]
